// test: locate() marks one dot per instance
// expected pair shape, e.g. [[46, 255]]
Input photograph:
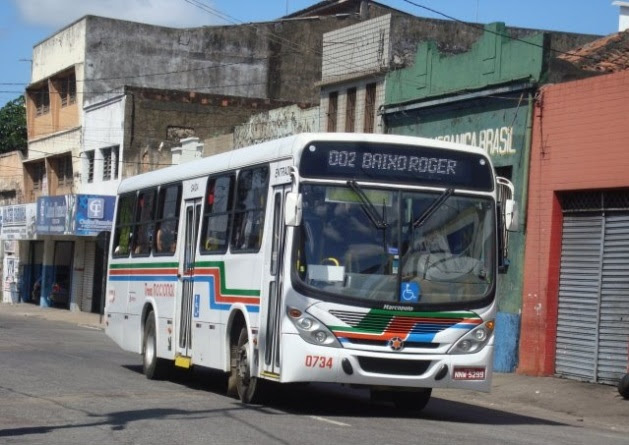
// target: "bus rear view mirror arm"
[[292, 209], [512, 223]]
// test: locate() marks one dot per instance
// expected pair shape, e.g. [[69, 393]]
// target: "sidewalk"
[[48, 313], [549, 398]]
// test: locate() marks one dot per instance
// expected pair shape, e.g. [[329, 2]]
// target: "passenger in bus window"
[[166, 239]]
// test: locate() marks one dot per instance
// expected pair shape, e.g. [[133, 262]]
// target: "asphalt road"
[[66, 384]]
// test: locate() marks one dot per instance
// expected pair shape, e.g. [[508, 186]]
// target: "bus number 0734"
[[318, 361]]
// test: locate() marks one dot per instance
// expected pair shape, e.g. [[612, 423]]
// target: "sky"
[[24, 23]]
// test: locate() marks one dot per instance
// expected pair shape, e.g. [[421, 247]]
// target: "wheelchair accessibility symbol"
[[409, 292]]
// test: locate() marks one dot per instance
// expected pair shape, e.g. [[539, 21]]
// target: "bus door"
[[274, 282], [185, 308]]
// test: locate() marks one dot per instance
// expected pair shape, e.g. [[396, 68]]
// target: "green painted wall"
[[493, 60], [427, 100], [500, 126]]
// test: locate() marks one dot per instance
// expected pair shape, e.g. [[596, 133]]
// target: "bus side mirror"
[[512, 223], [292, 209]]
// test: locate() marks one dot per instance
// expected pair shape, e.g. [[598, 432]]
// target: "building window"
[[41, 97], [89, 165], [115, 156], [333, 102], [64, 171], [370, 107], [106, 164], [110, 163], [67, 90], [350, 110], [38, 176]]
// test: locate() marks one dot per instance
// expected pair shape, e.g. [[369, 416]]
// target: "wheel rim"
[[244, 374], [149, 350]]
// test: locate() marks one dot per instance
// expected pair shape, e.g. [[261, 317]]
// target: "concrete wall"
[[262, 60], [356, 50], [156, 120], [579, 142], [103, 128], [11, 178], [63, 49], [455, 37], [277, 123]]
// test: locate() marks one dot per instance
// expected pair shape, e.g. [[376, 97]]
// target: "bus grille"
[[381, 322], [393, 367]]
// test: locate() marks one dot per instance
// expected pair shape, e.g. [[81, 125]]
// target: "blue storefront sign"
[[54, 215], [83, 215], [94, 214]]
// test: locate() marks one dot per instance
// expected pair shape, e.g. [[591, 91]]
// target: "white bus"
[[360, 259]]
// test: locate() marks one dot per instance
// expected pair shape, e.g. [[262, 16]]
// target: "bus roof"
[[284, 148]]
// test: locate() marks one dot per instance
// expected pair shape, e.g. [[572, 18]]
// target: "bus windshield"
[[396, 246]]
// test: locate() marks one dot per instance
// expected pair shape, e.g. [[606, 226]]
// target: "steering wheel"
[[331, 260]]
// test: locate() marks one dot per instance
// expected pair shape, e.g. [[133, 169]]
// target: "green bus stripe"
[[143, 265], [220, 265]]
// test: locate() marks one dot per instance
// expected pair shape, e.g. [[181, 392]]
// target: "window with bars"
[[370, 107], [89, 166], [67, 90], [38, 175], [350, 110], [333, 102], [64, 171], [594, 201], [41, 98], [115, 155], [106, 164]]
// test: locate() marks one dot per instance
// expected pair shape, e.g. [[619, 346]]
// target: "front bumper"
[[304, 362]]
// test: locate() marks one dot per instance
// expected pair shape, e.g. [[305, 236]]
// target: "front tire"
[[154, 368], [411, 400], [249, 388]]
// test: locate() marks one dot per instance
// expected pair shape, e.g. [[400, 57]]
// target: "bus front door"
[[271, 366], [185, 308]]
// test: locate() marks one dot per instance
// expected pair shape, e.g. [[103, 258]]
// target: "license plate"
[[469, 374]]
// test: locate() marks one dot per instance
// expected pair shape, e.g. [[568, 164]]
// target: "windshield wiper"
[[432, 208], [368, 206]]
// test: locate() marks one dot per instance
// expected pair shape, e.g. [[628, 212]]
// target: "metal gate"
[[593, 315]]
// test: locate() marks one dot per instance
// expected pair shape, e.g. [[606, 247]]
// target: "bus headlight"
[[474, 340], [312, 330]]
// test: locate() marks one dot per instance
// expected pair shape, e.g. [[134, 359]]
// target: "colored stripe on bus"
[[378, 325]]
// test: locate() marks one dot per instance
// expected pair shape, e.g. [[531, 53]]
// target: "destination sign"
[[396, 163]]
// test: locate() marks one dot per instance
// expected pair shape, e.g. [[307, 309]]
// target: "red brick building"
[[575, 319]]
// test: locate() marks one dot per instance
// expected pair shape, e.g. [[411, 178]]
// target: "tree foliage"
[[13, 126]]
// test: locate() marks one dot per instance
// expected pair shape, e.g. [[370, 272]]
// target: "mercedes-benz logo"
[[396, 343]]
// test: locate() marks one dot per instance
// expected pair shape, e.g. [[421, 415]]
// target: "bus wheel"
[[248, 387], [154, 368], [411, 400]]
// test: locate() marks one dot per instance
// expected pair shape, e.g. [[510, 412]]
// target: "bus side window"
[[144, 223], [218, 214], [168, 205], [251, 195], [124, 225]]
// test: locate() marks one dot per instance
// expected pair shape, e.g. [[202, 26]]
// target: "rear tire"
[[154, 368], [249, 388]]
